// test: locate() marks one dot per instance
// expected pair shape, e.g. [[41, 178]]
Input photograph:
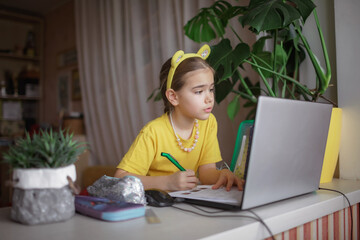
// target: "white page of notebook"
[[204, 192]]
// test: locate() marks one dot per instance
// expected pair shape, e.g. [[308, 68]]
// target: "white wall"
[[347, 30]]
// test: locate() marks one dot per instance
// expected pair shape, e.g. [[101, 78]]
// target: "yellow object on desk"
[[332, 146]]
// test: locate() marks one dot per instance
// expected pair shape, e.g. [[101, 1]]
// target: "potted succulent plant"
[[43, 166]]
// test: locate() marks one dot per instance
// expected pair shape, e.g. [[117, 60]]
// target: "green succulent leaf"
[[46, 149]]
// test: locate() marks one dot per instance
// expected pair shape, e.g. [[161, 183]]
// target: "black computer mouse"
[[158, 198]]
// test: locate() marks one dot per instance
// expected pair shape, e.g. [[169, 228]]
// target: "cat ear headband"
[[180, 56]]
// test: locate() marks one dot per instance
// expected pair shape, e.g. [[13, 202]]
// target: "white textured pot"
[[42, 195]]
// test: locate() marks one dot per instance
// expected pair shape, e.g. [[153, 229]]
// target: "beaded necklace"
[[179, 140]]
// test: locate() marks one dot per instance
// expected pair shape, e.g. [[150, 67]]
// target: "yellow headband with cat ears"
[[180, 56]]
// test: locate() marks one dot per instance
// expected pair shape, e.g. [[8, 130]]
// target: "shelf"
[[18, 97], [4, 140], [27, 69], [19, 57], [19, 17]]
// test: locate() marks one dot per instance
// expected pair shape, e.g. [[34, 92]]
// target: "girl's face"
[[196, 97]]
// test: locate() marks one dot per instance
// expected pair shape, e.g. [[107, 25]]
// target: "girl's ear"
[[172, 97]]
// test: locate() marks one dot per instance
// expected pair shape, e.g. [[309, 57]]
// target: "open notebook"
[[205, 193], [285, 156]]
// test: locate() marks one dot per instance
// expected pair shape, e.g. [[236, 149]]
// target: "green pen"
[[173, 160]]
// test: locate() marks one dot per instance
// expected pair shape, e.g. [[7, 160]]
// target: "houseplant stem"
[[307, 91], [267, 85], [324, 79]]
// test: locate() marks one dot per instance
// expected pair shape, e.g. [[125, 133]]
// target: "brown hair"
[[188, 65]]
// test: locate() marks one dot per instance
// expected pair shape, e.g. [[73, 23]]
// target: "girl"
[[187, 130]]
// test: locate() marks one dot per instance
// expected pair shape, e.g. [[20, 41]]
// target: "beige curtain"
[[121, 47]]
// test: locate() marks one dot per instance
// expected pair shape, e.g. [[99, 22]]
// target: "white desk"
[[176, 224]]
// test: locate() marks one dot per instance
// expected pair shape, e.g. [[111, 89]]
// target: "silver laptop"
[[286, 152]]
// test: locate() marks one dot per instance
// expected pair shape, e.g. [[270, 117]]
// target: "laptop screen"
[[287, 150]]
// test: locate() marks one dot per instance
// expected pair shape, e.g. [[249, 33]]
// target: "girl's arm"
[[209, 175], [174, 182]]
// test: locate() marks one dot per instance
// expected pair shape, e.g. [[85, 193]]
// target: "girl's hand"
[[184, 180], [228, 179]]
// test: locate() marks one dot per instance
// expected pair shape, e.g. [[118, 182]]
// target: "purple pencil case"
[[108, 210]]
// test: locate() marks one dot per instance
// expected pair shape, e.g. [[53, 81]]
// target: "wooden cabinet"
[[5, 176], [21, 72]]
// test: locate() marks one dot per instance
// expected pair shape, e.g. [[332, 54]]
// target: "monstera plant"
[[278, 22]]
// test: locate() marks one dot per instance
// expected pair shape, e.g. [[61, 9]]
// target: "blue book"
[[108, 210]]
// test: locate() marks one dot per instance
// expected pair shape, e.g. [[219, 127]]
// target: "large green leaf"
[[224, 56], [296, 57], [222, 89], [281, 55], [305, 7], [264, 15], [210, 23], [233, 107], [258, 46]]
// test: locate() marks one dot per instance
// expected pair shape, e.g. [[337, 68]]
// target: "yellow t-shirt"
[[143, 157]]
